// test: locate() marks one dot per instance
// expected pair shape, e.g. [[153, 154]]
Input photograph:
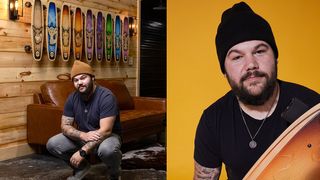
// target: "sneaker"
[[79, 174]]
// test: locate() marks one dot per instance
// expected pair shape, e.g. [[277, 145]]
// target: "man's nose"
[[251, 62]]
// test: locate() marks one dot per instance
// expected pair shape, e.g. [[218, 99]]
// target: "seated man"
[[94, 110]]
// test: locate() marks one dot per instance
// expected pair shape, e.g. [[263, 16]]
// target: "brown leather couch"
[[139, 116]]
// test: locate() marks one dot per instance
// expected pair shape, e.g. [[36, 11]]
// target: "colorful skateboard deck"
[[295, 153], [89, 33], [117, 39], [99, 37], [77, 33], [52, 31], [65, 32], [125, 36], [37, 30], [109, 37]]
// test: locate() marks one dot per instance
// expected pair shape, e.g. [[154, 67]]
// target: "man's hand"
[[90, 136], [76, 159]]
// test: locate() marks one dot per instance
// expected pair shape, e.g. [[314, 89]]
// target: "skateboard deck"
[[65, 32], [77, 34], [125, 36], [117, 39], [295, 153], [37, 30], [109, 37], [99, 36], [89, 35], [52, 31]]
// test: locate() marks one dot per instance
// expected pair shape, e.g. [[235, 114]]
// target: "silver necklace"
[[253, 144]]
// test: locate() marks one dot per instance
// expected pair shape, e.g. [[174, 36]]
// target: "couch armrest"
[[43, 121], [149, 103]]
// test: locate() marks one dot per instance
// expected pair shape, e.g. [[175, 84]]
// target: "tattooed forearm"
[[204, 173], [68, 129]]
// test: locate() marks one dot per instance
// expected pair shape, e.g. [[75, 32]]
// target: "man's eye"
[[261, 51], [236, 58]]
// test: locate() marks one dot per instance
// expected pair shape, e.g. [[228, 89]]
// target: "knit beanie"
[[239, 24], [80, 68]]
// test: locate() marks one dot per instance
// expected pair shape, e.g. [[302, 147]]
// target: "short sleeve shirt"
[[87, 115], [222, 137]]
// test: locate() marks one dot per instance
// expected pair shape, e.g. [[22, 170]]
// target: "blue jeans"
[[108, 151]]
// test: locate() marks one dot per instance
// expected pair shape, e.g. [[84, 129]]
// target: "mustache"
[[80, 86], [252, 73]]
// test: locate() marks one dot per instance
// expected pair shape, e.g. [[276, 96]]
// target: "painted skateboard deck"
[[65, 32], [117, 39], [52, 31], [89, 35], [295, 153], [99, 36], [37, 30], [125, 37], [109, 37], [77, 34]]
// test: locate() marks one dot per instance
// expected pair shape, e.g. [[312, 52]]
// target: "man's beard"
[[246, 97], [86, 94]]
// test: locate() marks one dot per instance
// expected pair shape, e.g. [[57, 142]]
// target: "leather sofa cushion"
[[131, 119], [57, 92]]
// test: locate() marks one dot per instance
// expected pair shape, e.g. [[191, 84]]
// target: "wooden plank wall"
[[21, 76]]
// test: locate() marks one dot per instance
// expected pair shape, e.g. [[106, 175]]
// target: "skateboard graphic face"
[[52, 31], [89, 40], [99, 36], [37, 30], [109, 37], [125, 48], [65, 32], [117, 39], [77, 33]]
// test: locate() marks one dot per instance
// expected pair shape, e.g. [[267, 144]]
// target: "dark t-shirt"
[[222, 136], [87, 115]]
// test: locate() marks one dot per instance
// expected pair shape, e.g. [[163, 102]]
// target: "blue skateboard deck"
[[52, 31], [117, 39]]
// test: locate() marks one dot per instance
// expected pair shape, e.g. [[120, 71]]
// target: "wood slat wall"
[[21, 76]]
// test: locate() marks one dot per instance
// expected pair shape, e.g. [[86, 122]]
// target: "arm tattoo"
[[68, 129], [204, 173]]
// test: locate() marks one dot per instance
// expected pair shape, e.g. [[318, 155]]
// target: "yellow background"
[[194, 79]]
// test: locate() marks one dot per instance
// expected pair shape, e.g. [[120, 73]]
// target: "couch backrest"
[[57, 92]]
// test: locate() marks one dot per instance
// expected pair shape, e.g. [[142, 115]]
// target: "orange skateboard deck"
[[65, 32], [77, 34]]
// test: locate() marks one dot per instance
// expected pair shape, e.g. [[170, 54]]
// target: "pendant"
[[252, 144], [85, 110]]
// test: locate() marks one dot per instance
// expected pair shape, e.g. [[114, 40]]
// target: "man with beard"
[[240, 126], [94, 110]]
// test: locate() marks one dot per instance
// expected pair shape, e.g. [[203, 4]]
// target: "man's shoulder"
[[301, 92], [222, 104]]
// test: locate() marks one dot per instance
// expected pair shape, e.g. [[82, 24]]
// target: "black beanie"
[[239, 24]]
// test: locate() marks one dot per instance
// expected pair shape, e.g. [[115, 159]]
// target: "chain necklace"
[[253, 144]]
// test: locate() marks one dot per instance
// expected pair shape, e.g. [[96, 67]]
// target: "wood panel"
[[14, 44], [14, 134], [15, 119], [51, 73], [15, 149], [19, 89], [15, 104]]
